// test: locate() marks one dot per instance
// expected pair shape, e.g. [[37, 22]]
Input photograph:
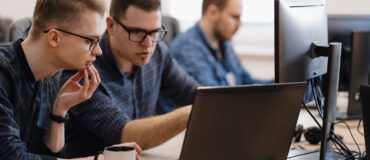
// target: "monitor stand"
[[330, 90]]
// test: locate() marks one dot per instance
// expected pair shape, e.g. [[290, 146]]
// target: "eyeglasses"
[[93, 41], [139, 35]]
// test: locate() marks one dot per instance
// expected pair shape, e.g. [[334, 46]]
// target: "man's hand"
[[72, 93]]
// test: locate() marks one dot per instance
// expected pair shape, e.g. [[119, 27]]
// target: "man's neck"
[[208, 29], [38, 59], [125, 65]]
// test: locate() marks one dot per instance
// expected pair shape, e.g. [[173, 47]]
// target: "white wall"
[[348, 6], [16, 9]]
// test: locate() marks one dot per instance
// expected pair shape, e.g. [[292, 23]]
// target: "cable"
[[335, 139], [353, 156], [358, 127], [313, 117], [358, 147], [339, 150], [318, 106]]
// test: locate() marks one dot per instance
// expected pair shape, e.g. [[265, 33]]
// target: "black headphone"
[[311, 134]]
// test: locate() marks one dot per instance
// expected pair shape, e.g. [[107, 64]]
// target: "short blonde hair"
[[63, 12]]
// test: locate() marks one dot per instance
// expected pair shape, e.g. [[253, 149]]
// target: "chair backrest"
[[172, 26], [4, 28], [19, 28]]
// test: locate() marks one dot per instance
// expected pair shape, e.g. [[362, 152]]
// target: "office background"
[[254, 42]]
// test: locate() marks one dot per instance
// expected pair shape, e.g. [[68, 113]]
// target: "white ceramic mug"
[[118, 153]]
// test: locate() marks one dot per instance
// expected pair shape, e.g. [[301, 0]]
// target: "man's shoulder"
[[191, 36], [7, 57], [189, 40], [7, 52], [7, 76]]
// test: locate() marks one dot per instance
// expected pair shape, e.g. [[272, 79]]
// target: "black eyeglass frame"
[[93, 42], [164, 31]]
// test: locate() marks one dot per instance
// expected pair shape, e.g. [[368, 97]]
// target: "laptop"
[[365, 103], [243, 122]]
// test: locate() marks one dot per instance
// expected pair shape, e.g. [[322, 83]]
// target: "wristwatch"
[[58, 119]]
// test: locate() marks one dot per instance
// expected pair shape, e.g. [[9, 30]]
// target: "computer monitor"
[[340, 28], [301, 35], [298, 28], [360, 63], [351, 30], [298, 24]]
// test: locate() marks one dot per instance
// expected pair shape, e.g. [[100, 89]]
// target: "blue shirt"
[[24, 107], [121, 97], [194, 53]]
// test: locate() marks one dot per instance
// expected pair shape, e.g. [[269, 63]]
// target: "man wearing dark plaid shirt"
[[28, 90], [134, 68]]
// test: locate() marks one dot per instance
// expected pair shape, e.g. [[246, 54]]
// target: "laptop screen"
[[243, 122]]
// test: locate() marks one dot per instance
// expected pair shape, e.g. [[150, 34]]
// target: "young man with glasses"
[[64, 34], [134, 68]]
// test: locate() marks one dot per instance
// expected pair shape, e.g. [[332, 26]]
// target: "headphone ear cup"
[[298, 133], [313, 135]]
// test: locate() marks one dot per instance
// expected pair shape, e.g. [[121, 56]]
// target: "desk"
[[171, 149]]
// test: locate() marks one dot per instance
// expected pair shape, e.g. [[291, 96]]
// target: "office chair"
[[19, 29], [172, 26], [4, 28]]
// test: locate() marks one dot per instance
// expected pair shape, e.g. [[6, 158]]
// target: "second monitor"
[[302, 54], [353, 31]]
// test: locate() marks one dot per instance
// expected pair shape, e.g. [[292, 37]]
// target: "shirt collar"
[[206, 41], [23, 61]]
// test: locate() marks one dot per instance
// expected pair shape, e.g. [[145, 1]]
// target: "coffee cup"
[[118, 153]]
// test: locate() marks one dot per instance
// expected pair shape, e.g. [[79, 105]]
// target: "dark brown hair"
[[119, 7], [221, 4], [63, 12]]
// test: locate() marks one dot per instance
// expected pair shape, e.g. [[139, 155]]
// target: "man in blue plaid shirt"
[[205, 51], [134, 68]]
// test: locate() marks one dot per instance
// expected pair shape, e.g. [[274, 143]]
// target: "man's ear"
[[213, 11], [110, 24], [53, 38]]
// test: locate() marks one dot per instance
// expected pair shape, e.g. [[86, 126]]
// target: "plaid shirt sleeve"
[[99, 114], [176, 83], [11, 145]]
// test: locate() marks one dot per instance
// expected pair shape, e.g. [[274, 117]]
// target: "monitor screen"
[[340, 28], [299, 24]]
